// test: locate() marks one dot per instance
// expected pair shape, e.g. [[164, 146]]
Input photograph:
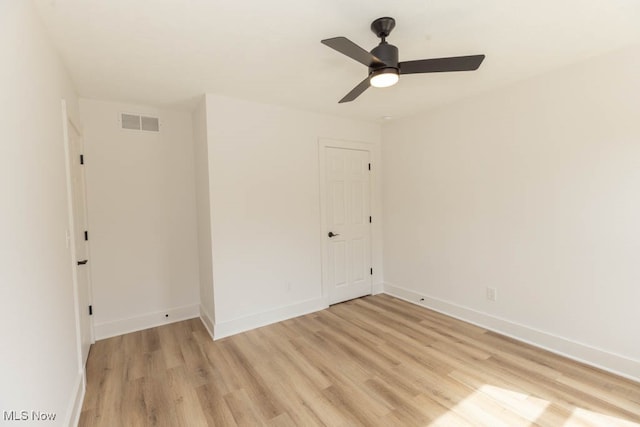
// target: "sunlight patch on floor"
[[496, 406], [579, 415], [482, 409], [527, 406]]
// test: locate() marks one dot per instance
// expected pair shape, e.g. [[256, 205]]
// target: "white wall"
[[533, 190], [203, 210], [265, 203], [39, 364], [142, 218]]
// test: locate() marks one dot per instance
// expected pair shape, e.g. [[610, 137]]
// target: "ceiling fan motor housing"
[[388, 54]]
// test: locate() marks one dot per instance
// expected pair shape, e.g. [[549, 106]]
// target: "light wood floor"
[[372, 361]]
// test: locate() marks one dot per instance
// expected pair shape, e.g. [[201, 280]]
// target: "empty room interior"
[[338, 213]]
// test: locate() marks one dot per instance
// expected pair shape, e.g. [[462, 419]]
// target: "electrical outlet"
[[492, 294]]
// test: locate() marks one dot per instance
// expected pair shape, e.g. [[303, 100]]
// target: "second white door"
[[347, 240], [81, 249]]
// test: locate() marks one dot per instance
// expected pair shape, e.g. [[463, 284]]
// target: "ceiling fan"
[[384, 68]]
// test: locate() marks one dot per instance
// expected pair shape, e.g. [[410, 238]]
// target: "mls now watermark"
[[28, 416]]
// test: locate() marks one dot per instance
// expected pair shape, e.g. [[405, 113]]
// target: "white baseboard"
[[75, 404], [235, 326], [614, 363], [145, 321], [206, 319]]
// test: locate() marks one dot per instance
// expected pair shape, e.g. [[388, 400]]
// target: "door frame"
[[67, 120], [324, 143]]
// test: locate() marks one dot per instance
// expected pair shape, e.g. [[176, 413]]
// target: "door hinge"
[[369, 166], [90, 310], [86, 234], [369, 219], [82, 159], [371, 271]]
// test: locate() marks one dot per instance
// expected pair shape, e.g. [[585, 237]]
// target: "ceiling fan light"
[[384, 78]]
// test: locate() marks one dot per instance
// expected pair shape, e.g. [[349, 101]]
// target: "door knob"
[[83, 262], [331, 234]]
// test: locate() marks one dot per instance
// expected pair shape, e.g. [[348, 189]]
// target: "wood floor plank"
[[256, 389], [298, 399], [184, 398], [214, 407], [169, 345], [244, 412], [374, 361], [133, 410], [293, 359], [283, 420]]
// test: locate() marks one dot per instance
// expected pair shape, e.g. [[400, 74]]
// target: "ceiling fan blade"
[[439, 65], [356, 91], [353, 51]]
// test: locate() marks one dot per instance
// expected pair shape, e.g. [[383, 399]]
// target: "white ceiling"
[[169, 52]]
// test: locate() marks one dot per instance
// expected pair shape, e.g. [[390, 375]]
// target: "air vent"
[[129, 121], [139, 122], [151, 124]]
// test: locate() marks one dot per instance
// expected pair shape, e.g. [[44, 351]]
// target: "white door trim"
[[67, 119], [324, 143]]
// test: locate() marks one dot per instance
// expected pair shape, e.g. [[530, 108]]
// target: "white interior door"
[[80, 235], [346, 226]]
